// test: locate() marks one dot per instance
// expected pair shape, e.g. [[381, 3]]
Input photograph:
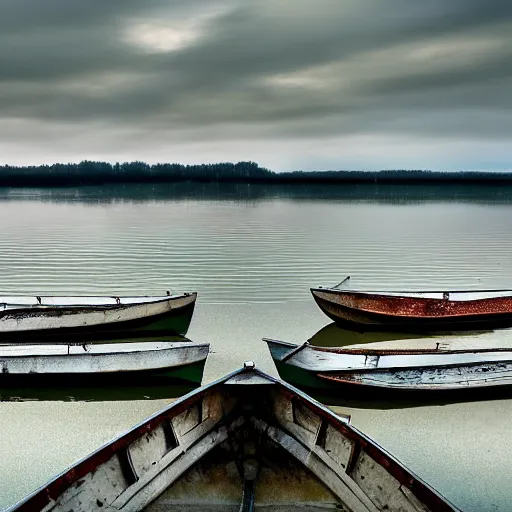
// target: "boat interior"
[[21, 301], [456, 295], [245, 443]]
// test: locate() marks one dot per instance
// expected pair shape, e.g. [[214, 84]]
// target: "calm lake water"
[[252, 252]]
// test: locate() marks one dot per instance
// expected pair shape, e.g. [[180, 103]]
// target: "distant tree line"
[[397, 176], [94, 173]]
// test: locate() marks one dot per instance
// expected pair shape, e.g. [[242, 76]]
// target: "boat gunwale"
[[388, 351], [406, 477], [176, 346], [387, 293], [393, 369], [172, 295], [13, 308]]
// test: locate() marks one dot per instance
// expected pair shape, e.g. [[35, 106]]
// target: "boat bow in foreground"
[[244, 441]]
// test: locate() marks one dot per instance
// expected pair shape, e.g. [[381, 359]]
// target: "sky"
[[290, 84]]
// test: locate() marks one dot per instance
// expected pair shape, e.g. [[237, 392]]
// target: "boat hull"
[[360, 396], [135, 381], [165, 317], [332, 303], [447, 379], [109, 362], [409, 371]]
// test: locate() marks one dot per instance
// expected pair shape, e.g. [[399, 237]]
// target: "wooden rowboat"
[[75, 363], [396, 370], [416, 311], [243, 442], [32, 318]]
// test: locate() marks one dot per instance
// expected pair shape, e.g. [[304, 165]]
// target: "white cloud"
[[159, 37]]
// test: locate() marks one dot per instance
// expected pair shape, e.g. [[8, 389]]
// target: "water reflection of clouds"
[[333, 336]]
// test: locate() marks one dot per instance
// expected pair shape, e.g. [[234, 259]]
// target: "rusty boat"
[[245, 442], [27, 318], [419, 370], [429, 311]]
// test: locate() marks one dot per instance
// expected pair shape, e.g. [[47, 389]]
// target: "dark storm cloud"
[[271, 69]]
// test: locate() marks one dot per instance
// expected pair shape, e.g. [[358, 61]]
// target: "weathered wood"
[[243, 425], [483, 375], [397, 369], [102, 359], [43, 315]]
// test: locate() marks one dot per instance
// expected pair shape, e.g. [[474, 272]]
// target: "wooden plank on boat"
[[263, 440]]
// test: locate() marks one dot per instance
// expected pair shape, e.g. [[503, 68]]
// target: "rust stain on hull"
[[377, 311]]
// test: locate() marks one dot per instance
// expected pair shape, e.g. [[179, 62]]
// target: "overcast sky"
[[291, 84]]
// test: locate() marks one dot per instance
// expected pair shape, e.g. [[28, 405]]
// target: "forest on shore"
[[96, 173]]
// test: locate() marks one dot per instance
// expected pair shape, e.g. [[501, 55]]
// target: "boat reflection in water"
[[102, 390], [385, 401], [333, 335]]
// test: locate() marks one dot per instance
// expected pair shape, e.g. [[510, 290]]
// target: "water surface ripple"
[[252, 253], [271, 248]]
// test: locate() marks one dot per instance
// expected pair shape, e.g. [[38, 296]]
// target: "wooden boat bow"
[[249, 420]]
